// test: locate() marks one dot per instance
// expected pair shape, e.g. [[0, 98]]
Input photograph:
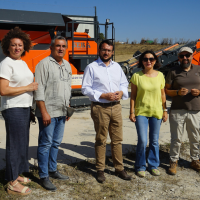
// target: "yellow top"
[[148, 100]]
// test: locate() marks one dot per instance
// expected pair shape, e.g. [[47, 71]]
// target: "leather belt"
[[107, 104]]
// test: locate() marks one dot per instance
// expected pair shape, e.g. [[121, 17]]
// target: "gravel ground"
[[83, 185]]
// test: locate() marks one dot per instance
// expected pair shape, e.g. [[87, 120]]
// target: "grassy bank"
[[125, 51]]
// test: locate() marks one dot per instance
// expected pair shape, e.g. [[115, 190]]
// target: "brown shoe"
[[123, 175], [195, 164], [172, 168], [100, 176]]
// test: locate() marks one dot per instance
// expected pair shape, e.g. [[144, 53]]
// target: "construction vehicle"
[[82, 35], [81, 32], [168, 57]]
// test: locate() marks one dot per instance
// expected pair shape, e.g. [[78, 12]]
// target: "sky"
[[133, 19]]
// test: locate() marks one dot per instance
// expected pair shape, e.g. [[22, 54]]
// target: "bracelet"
[[165, 109], [132, 113], [177, 92]]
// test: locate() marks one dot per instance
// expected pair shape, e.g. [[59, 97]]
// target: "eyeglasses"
[[150, 59], [104, 50], [186, 55]]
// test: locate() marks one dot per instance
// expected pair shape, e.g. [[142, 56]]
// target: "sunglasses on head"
[[186, 55], [150, 59]]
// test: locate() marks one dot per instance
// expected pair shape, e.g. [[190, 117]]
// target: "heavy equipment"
[[83, 36], [168, 57], [81, 32]]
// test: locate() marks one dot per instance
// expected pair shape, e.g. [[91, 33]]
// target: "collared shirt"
[[54, 86], [179, 78], [99, 78]]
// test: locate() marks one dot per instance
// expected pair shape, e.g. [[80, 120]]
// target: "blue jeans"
[[50, 138], [142, 123]]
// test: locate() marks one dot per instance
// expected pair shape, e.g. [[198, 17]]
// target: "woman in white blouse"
[[16, 89]]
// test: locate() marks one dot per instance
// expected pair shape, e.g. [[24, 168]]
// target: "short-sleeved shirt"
[[148, 100], [18, 74], [54, 86], [178, 78]]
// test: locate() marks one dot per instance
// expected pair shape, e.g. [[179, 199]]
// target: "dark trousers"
[[17, 122]]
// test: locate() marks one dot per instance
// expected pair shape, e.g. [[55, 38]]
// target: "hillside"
[[125, 51]]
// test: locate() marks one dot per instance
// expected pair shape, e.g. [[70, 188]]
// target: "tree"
[[134, 42], [171, 41], [127, 40], [155, 41], [142, 41], [164, 41], [101, 36]]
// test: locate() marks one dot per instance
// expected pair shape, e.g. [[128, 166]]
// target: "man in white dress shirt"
[[105, 84]]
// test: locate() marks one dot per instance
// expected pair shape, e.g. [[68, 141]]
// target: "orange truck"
[[81, 33], [196, 54]]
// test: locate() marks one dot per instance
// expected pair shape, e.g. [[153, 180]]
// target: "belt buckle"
[[113, 103]]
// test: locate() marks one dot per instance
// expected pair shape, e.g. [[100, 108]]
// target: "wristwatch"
[[165, 109], [177, 92]]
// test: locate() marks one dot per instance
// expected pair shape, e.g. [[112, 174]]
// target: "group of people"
[[105, 83], [51, 90], [148, 109]]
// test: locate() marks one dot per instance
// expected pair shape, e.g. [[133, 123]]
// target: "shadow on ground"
[[82, 173]]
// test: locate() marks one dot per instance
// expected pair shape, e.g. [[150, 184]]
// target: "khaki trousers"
[[108, 119], [177, 119]]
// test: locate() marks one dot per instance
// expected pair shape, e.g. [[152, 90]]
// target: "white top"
[[99, 78], [18, 74]]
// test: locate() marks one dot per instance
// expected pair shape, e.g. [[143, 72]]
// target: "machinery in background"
[[168, 57], [83, 36], [81, 32]]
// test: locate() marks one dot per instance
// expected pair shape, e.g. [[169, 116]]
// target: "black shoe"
[[100, 176], [58, 175], [123, 175], [47, 184]]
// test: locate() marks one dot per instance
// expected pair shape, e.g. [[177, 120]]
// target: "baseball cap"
[[188, 49]]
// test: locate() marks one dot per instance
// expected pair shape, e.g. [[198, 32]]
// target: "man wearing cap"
[[183, 84]]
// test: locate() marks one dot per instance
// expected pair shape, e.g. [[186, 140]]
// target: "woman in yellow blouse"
[[148, 109]]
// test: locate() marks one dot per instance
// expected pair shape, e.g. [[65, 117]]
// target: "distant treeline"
[[163, 41]]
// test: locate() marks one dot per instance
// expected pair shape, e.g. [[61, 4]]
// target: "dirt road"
[[78, 146]]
